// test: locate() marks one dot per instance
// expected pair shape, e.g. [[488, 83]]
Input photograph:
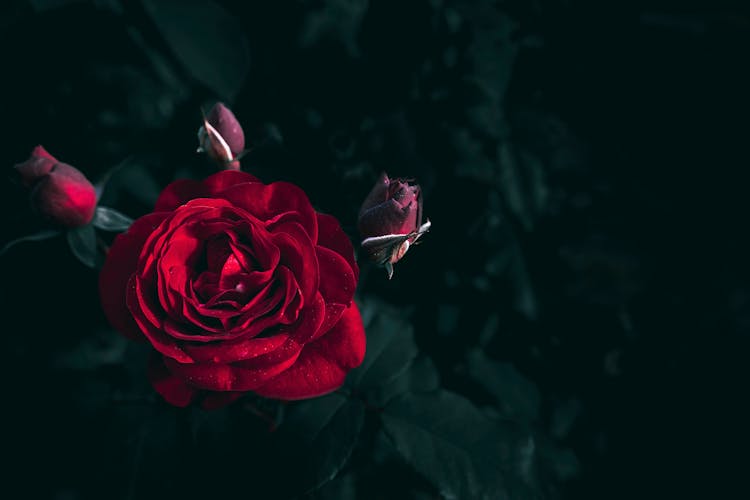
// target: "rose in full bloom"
[[221, 137], [239, 286], [59, 191], [390, 220]]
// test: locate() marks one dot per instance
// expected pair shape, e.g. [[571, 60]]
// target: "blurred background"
[[583, 164]]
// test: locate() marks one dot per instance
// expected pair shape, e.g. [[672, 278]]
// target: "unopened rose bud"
[[58, 191], [390, 220], [221, 137]]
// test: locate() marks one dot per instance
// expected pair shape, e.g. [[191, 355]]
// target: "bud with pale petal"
[[221, 137], [390, 220]]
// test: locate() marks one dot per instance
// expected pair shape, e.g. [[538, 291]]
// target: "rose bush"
[[239, 286]]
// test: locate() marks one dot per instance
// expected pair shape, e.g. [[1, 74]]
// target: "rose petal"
[[337, 284], [378, 194], [252, 245], [120, 264], [172, 388], [243, 376], [220, 181], [235, 350], [160, 340], [330, 235], [387, 218], [267, 201], [177, 194], [298, 255], [181, 191], [323, 364], [310, 320]]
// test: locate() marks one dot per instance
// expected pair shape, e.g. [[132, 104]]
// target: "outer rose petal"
[[337, 284], [173, 389], [120, 264], [235, 350], [177, 193], [181, 191], [243, 376], [330, 235], [225, 179], [378, 194], [324, 363], [266, 201]]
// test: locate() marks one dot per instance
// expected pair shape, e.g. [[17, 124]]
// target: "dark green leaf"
[[563, 463], [327, 429], [453, 444], [82, 242], [342, 488], [522, 182], [128, 178], [206, 39], [105, 348], [40, 236], [110, 219], [390, 347], [518, 397], [422, 376], [564, 417]]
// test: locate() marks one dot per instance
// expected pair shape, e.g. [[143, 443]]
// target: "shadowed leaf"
[[207, 40], [82, 242], [517, 396]]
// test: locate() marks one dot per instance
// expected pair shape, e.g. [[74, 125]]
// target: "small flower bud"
[[221, 136], [58, 191], [390, 220]]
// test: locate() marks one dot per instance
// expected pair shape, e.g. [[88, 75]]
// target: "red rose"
[[239, 286]]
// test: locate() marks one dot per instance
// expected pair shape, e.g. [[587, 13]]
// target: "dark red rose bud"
[[390, 220], [38, 165], [58, 191], [221, 136]]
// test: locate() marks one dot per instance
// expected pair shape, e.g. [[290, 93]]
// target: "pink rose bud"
[[221, 136], [58, 191], [390, 220]]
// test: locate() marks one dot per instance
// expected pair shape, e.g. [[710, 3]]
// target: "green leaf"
[[127, 177], [92, 353], [109, 219], [342, 488], [517, 396], [421, 376], [327, 428], [40, 236], [207, 39], [390, 347], [82, 242], [452, 443]]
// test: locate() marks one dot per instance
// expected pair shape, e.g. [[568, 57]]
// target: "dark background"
[[583, 164]]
